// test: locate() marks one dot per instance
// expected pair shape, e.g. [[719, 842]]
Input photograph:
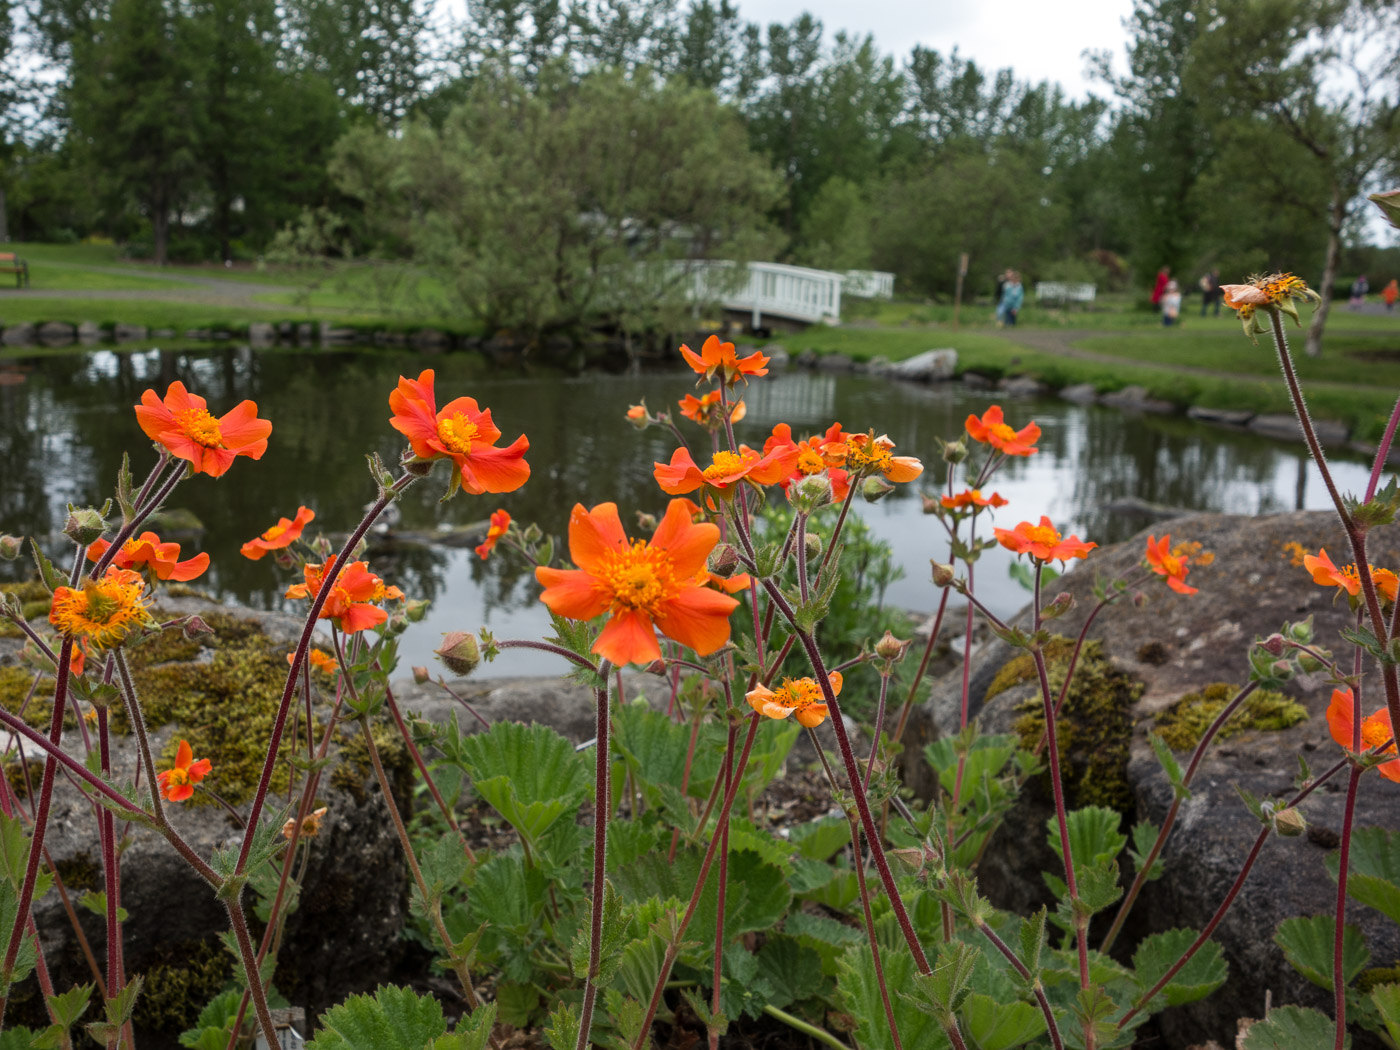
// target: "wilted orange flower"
[[1375, 729], [177, 784], [683, 475], [972, 498], [500, 521], [1275, 290], [800, 696], [352, 597], [310, 827], [993, 430], [868, 454], [184, 425], [1168, 563], [461, 432], [102, 611], [1042, 542], [1328, 575], [320, 661], [643, 587], [147, 552], [707, 410], [719, 357], [283, 534]]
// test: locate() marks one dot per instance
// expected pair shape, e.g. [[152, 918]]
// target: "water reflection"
[[63, 431]]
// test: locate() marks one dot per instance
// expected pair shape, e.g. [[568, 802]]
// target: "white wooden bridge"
[[793, 293]]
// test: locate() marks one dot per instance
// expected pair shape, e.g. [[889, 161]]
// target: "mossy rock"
[[34, 599], [1095, 725], [176, 988], [1184, 723]]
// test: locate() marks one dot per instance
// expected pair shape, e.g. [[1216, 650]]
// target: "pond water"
[[64, 427]]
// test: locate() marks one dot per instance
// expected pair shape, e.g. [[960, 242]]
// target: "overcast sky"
[[1039, 40]]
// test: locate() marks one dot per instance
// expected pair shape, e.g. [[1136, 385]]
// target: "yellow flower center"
[[177, 777], [103, 612], [457, 433], [1043, 534], [1374, 733], [1004, 431], [723, 464], [798, 693], [276, 530], [200, 427], [868, 454], [638, 578], [809, 461], [1172, 565]]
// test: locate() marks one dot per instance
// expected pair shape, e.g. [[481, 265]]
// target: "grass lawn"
[[71, 266]]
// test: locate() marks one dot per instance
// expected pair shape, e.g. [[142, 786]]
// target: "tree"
[[545, 209]]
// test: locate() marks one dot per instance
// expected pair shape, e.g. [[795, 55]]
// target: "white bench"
[[1064, 292]]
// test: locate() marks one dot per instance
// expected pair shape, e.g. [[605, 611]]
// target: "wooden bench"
[[12, 263]]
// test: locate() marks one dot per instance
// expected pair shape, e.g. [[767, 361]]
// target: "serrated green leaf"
[[51, 577], [1386, 999], [820, 839], [946, 988], [517, 1003], [1144, 838], [1307, 943], [562, 1030], [1293, 1028], [473, 1031], [68, 1006], [860, 995], [1032, 933], [626, 1014], [529, 774], [1094, 837], [999, 1026], [616, 933], [824, 935], [214, 1024], [1374, 879], [1205, 972], [443, 863], [267, 843], [391, 1019], [95, 901], [507, 893], [792, 971], [1175, 776]]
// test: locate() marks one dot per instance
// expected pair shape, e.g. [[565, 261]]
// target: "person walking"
[[1210, 292], [1012, 296], [1390, 293], [1359, 288], [1171, 304], [1160, 288]]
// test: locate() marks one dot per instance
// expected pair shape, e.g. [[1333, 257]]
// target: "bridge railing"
[[794, 292], [869, 284], [1064, 292]]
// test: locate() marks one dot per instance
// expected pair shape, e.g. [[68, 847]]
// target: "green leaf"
[[507, 894], [1000, 1026], [1293, 1028], [1175, 776], [517, 1002], [530, 774], [118, 1011], [824, 935], [95, 901], [215, 1022], [1307, 943], [562, 1030], [1144, 838], [70, 1005], [860, 994], [820, 839], [473, 1031], [946, 988], [1374, 879], [792, 971], [267, 841], [1094, 837], [1033, 940], [1197, 979], [51, 577], [1386, 998], [390, 1019], [444, 864], [616, 933], [16, 1037]]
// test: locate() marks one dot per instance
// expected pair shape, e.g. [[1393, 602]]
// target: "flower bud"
[[1389, 204], [459, 652], [1273, 645], [419, 468], [891, 648], [1139, 599], [954, 451], [415, 609], [814, 546], [809, 493], [11, 547], [637, 416], [723, 559], [931, 505], [1062, 603], [911, 858], [421, 676], [193, 626], [646, 522], [1290, 822], [84, 525], [1283, 669], [656, 667], [943, 575], [875, 489]]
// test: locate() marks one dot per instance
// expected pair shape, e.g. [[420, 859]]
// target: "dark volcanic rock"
[[1172, 645]]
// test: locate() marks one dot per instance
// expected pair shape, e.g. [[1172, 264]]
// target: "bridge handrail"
[[1065, 291]]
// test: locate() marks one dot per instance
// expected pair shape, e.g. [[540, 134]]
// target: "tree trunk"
[[4, 225], [160, 231], [1336, 217]]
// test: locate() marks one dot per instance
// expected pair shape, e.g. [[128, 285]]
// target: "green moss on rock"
[[1022, 668], [34, 600], [354, 773], [177, 988], [1184, 723], [1094, 728]]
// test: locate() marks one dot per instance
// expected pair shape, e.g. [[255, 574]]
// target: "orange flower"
[[1346, 578], [1168, 563], [642, 587], [972, 498], [461, 432], [102, 612], [868, 454], [993, 430], [146, 551], [715, 357], [1375, 729], [815, 454], [178, 784], [724, 584], [705, 410], [310, 827], [320, 661], [352, 597], [637, 416], [682, 475], [500, 521], [184, 425], [1277, 290], [78, 661], [802, 696], [283, 534], [1042, 542]]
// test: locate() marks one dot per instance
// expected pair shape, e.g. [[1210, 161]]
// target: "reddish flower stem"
[[417, 756], [1141, 878], [673, 949], [879, 728], [923, 667], [1026, 975], [723, 877], [143, 511], [1230, 896], [602, 806], [1339, 988], [1382, 452]]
